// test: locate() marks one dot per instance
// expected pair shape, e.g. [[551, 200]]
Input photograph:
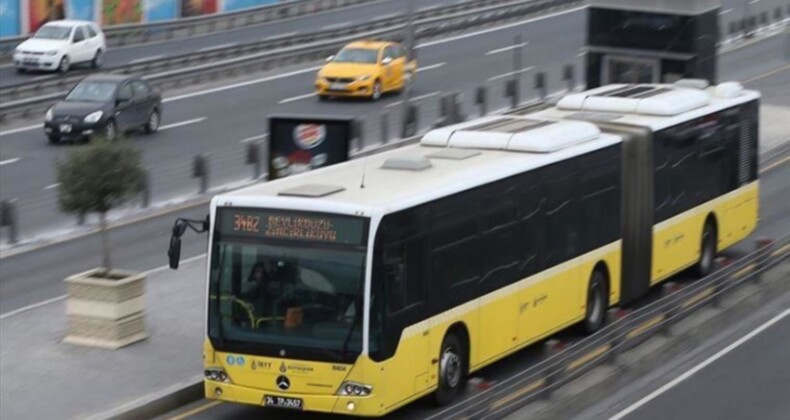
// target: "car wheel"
[[98, 59], [376, 91], [408, 81], [153, 122], [452, 369], [110, 130], [65, 64], [323, 98], [53, 139]]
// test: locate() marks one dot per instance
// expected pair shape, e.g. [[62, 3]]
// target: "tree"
[[98, 177]]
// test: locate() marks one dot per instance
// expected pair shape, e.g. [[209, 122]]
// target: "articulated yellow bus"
[[360, 287]]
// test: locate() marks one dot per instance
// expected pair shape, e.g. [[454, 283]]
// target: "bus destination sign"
[[298, 226]]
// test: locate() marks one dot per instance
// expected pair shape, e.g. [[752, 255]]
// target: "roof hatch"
[[407, 163], [516, 134], [659, 100], [311, 190]]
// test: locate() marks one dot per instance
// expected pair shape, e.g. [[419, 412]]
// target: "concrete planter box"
[[105, 312]]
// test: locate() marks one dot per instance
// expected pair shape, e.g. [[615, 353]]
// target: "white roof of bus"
[[671, 106], [388, 190]]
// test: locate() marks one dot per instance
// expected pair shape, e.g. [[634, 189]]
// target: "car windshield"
[[356, 55], [53, 32], [301, 293], [92, 92]]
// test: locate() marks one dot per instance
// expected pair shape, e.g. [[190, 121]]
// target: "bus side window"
[[402, 266]]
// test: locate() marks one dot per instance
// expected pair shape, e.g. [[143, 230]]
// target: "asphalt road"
[[216, 121], [305, 24], [741, 373], [750, 382]]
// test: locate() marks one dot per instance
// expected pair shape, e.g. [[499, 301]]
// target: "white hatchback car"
[[60, 44]]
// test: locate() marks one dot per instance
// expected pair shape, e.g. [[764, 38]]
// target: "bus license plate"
[[282, 402], [65, 128]]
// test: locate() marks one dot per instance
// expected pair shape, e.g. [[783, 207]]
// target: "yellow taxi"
[[366, 69]]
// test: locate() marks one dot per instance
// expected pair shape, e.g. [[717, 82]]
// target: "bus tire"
[[597, 302], [707, 254], [452, 369]]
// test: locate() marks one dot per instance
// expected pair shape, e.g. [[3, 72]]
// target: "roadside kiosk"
[[651, 41]]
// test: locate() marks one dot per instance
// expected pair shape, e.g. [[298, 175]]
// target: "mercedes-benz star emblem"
[[283, 382]]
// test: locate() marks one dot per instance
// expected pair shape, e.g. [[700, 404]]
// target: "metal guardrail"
[[540, 380], [129, 34], [192, 67]]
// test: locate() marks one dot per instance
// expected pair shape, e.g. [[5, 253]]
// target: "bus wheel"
[[452, 369], [597, 303], [708, 250]]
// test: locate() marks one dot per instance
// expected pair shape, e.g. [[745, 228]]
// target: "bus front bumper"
[[358, 406]]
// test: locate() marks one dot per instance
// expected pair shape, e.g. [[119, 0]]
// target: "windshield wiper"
[[357, 310], [218, 298]]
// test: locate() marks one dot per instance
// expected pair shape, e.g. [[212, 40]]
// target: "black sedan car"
[[104, 105]]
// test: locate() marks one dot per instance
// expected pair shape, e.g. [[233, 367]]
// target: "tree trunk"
[[105, 242]]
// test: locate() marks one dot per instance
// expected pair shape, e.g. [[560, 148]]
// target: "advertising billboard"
[[43, 11], [231, 5], [156, 10], [9, 18], [299, 143], [122, 11], [198, 7]]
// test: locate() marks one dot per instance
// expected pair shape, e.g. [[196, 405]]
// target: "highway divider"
[[541, 380], [25, 99], [131, 34]]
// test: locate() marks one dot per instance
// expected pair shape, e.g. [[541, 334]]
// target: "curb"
[[158, 403]]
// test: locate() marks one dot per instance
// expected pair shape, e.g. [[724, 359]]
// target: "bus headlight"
[[217, 374], [355, 389]]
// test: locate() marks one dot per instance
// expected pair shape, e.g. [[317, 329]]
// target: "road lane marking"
[[337, 25], [416, 98], [431, 67], [746, 270], [522, 391], [725, 11], [182, 123], [278, 36], [388, 16], [499, 28], [21, 129], [698, 297], [644, 327], [241, 84], [504, 49], [52, 186], [144, 59], [217, 47], [297, 98], [770, 73], [9, 161], [781, 251], [195, 410], [689, 373], [253, 138], [587, 358], [778, 163], [509, 74], [61, 297]]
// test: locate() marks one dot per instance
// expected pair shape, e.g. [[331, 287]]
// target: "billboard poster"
[[9, 18], [198, 7], [116, 12], [230, 5], [299, 144], [161, 10], [43, 11], [79, 9]]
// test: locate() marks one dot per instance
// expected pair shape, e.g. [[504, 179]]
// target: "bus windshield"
[[290, 292]]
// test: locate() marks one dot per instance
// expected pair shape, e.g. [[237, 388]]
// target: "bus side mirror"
[[174, 252]]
